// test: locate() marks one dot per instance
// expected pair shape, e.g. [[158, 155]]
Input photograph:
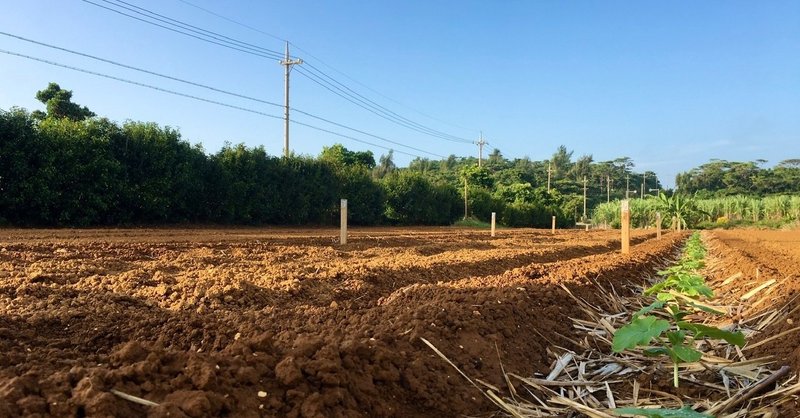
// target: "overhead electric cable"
[[196, 29], [355, 101], [385, 110], [182, 32], [202, 99], [322, 78], [311, 115], [254, 29]]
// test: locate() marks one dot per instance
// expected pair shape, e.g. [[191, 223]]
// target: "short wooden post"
[[494, 218], [587, 226], [626, 227], [658, 225], [554, 225], [343, 221]]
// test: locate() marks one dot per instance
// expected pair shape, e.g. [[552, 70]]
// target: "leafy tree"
[[562, 162], [59, 104], [338, 155], [385, 166]]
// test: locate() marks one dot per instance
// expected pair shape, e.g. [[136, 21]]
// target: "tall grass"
[[718, 211]]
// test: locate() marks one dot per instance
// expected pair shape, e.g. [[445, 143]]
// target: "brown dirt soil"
[[271, 322], [755, 257]]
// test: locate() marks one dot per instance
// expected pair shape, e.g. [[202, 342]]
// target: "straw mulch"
[[592, 380]]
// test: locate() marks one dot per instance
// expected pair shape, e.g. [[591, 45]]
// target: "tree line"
[[65, 166]]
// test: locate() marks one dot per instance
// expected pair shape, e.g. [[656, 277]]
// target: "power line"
[[322, 78], [311, 115], [202, 99], [190, 27], [389, 114], [236, 22], [182, 32], [130, 67], [355, 101]]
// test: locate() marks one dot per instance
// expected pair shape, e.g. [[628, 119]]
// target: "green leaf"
[[700, 331], [686, 354], [657, 351], [705, 308], [640, 331], [651, 307], [655, 288], [676, 337], [685, 412], [665, 297]]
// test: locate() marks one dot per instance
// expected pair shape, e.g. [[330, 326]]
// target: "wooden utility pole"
[[481, 142], [608, 189], [549, 170], [627, 186], [554, 225], [626, 227], [644, 181], [288, 63], [584, 198]]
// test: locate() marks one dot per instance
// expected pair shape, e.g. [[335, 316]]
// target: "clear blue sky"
[[669, 84]]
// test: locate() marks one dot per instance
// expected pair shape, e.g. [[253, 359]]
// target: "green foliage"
[[338, 155], [412, 199], [719, 178], [59, 104], [472, 223], [677, 295], [685, 412], [640, 331]]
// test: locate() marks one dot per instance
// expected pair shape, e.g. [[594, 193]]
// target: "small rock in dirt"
[[237, 336], [262, 394], [334, 305], [476, 313]]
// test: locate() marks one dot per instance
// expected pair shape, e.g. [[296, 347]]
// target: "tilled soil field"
[[762, 258], [270, 322], [286, 323]]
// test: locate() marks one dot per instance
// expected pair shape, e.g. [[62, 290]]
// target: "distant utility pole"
[[608, 189], [644, 180], [627, 186], [481, 142], [549, 170], [288, 63], [584, 198]]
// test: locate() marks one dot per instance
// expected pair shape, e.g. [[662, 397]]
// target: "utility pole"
[[627, 186], [481, 142], [549, 170], [584, 198], [608, 189], [644, 180], [287, 62]]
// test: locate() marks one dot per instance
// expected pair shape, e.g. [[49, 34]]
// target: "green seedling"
[[676, 297]]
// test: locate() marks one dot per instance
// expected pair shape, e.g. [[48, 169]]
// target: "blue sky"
[[669, 84]]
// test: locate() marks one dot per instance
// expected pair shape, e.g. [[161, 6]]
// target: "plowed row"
[[287, 323]]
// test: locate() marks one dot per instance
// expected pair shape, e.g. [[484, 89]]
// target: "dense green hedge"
[[65, 172]]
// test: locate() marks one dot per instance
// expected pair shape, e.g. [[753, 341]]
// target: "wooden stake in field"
[[658, 225], [343, 221], [494, 218], [465, 200], [554, 224], [626, 227]]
